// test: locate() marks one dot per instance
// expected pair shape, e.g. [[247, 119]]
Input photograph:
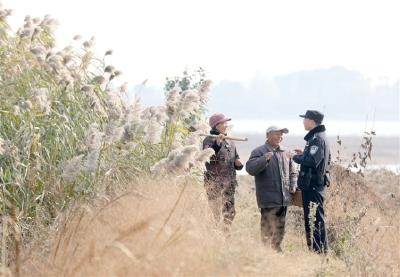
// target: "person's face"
[[308, 124], [275, 137], [221, 127]]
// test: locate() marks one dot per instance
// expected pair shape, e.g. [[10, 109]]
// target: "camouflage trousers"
[[273, 226], [221, 198]]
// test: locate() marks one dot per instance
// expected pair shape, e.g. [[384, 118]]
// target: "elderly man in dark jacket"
[[314, 177], [220, 177], [276, 180]]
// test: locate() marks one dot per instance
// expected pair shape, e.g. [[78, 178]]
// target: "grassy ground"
[[145, 234], [164, 228]]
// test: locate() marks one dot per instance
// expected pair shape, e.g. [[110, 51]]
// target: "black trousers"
[[273, 225], [314, 220]]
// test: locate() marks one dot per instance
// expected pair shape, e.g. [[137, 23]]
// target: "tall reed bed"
[[68, 133]]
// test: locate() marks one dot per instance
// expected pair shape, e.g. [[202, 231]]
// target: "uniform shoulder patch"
[[313, 149]]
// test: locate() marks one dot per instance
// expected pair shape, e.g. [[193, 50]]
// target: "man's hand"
[[268, 155], [298, 151], [220, 138], [238, 163]]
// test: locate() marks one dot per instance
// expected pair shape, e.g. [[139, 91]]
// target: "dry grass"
[[164, 228], [169, 232], [385, 183], [364, 227]]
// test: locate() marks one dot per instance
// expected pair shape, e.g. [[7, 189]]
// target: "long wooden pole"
[[227, 137]]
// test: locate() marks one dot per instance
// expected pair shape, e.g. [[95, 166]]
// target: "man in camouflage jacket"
[[220, 176]]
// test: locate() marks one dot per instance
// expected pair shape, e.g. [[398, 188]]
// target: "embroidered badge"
[[313, 149]]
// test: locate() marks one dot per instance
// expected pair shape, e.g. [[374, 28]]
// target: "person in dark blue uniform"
[[313, 179]]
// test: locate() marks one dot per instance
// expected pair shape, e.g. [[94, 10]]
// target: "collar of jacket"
[[312, 132], [215, 132], [278, 149]]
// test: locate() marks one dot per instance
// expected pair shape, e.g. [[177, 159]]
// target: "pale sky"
[[233, 40]]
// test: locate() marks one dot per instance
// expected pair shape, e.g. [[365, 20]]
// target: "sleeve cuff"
[[297, 159], [239, 167]]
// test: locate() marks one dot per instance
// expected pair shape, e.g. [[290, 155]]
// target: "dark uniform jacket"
[[274, 178], [315, 160]]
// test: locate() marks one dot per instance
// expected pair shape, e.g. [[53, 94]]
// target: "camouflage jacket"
[[222, 163]]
